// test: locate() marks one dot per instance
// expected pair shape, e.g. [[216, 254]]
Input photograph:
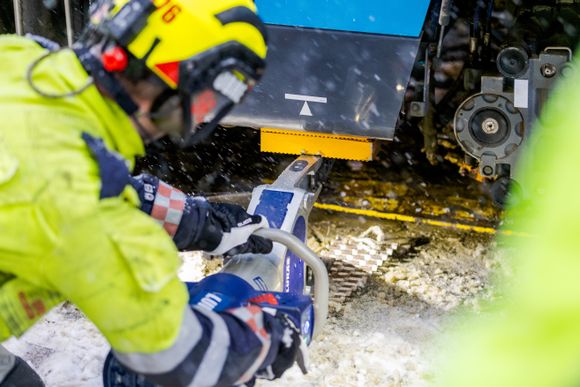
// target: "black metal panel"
[[357, 82]]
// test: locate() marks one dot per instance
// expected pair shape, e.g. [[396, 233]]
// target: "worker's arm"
[[119, 267], [221, 349], [192, 222], [196, 224]]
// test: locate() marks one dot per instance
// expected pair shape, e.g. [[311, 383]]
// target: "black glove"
[[219, 229], [232, 227], [292, 349]]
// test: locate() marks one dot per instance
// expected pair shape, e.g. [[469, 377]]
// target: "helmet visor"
[[206, 106], [177, 115], [183, 117]]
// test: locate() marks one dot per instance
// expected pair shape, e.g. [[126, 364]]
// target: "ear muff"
[[115, 59]]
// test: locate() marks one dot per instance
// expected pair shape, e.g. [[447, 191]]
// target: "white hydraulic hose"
[[321, 285]]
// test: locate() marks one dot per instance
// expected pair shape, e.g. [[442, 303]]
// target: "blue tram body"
[[335, 66]]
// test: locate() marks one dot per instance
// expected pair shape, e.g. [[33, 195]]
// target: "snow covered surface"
[[65, 349], [380, 337], [371, 344]]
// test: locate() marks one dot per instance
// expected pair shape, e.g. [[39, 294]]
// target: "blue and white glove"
[[196, 224], [233, 227]]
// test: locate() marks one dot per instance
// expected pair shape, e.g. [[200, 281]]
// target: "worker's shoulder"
[[18, 43], [16, 53]]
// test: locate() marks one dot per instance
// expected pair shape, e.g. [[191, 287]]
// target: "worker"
[[529, 333], [75, 226]]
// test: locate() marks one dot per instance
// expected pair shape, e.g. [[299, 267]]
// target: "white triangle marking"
[[306, 110]]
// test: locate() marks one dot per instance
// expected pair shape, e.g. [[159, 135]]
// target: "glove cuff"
[[198, 229], [211, 234]]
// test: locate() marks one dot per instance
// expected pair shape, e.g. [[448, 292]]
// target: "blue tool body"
[[385, 17], [223, 291]]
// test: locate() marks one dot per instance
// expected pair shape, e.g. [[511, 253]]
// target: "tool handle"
[[321, 284]]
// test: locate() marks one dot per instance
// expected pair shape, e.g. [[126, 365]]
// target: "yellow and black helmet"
[[208, 54]]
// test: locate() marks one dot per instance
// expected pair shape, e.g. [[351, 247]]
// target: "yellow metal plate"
[[320, 144]]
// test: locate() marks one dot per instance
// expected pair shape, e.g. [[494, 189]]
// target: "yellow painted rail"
[[414, 219]]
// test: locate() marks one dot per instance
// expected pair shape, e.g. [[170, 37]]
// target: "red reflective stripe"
[[170, 228], [159, 212], [176, 204], [168, 207], [164, 189]]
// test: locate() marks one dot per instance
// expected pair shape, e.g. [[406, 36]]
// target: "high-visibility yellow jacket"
[[71, 228], [58, 239]]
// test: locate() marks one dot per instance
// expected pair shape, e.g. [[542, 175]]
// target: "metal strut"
[[17, 16], [68, 20], [444, 20]]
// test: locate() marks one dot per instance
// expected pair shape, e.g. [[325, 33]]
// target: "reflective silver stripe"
[[211, 366], [166, 360]]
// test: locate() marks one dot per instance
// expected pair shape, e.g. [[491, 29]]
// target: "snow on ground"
[[65, 349], [383, 335], [380, 337], [371, 344]]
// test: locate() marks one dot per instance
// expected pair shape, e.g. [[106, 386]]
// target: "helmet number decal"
[[171, 12]]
